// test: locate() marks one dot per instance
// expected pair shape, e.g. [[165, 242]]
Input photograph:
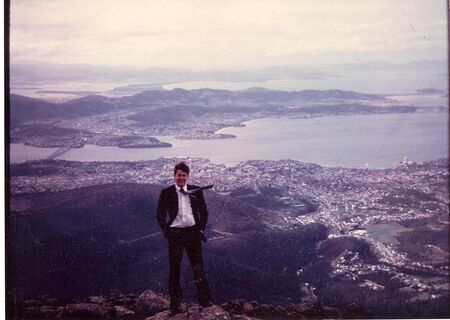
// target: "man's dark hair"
[[181, 166]]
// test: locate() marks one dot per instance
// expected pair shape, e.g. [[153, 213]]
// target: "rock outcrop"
[[196, 312], [154, 306]]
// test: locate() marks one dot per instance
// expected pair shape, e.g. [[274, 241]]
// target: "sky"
[[226, 35]]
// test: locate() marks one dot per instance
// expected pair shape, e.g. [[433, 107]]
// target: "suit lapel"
[[194, 206], [191, 195], [174, 195]]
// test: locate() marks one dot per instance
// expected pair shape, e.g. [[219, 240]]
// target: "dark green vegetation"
[[427, 243], [94, 239], [271, 198], [389, 303], [406, 198], [392, 301]]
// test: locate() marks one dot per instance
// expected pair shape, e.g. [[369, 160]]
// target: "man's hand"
[[202, 236]]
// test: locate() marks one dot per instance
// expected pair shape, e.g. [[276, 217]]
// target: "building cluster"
[[348, 200]]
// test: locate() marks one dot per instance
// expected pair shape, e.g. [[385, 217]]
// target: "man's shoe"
[[174, 312]]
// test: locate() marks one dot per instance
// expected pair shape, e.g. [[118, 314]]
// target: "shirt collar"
[[178, 188]]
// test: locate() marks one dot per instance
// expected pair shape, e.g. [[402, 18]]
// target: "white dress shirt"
[[185, 217]]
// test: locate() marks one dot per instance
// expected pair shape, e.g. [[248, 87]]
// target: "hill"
[[23, 109], [94, 239]]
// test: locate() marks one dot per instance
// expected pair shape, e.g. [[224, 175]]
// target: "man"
[[186, 209]]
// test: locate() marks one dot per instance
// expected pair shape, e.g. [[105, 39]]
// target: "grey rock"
[[121, 312], [248, 307], [242, 317], [84, 311], [332, 312], [267, 310], [150, 303], [130, 301], [48, 312], [32, 303], [96, 299], [52, 302], [32, 312], [195, 313], [234, 306]]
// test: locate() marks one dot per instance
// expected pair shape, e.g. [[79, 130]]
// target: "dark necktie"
[[197, 189]]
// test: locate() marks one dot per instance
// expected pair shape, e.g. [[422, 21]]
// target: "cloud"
[[227, 34]]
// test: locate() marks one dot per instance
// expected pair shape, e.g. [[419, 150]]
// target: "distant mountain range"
[[35, 72], [24, 109], [38, 72]]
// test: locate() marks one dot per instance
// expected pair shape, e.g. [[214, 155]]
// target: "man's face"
[[180, 178]]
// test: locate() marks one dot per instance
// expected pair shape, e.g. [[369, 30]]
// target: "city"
[[349, 201]]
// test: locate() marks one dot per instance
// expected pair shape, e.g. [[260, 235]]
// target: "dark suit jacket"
[[168, 207]]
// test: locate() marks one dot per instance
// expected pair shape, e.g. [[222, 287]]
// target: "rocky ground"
[[154, 306]]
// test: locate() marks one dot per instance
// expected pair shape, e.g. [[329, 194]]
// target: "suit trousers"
[[180, 239]]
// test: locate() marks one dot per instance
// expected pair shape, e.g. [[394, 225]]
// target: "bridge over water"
[[58, 152]]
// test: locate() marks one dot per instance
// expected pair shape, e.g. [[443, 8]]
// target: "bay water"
[[359, 141]]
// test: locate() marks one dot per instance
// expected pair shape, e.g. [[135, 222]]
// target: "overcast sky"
[[227, 35]]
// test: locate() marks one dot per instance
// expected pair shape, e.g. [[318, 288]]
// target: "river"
[[373, 141]]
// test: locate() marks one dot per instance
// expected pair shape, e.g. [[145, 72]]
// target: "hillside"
[[135, 120], [72, 235], [91, 240], [23, 109]]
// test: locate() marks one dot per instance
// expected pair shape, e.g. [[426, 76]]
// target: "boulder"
[[314, 310], [209, 313], [235, 306], [196, 313], [121, 312], [32, 303], [49, 312], [150, 303], [330, 312], [353, 311], [242, 317], [84, 311], [272, 311], [299, 308], [32, 312], [248, 307], [129, 302], [52, 302], [116, 298], [96, 299]]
